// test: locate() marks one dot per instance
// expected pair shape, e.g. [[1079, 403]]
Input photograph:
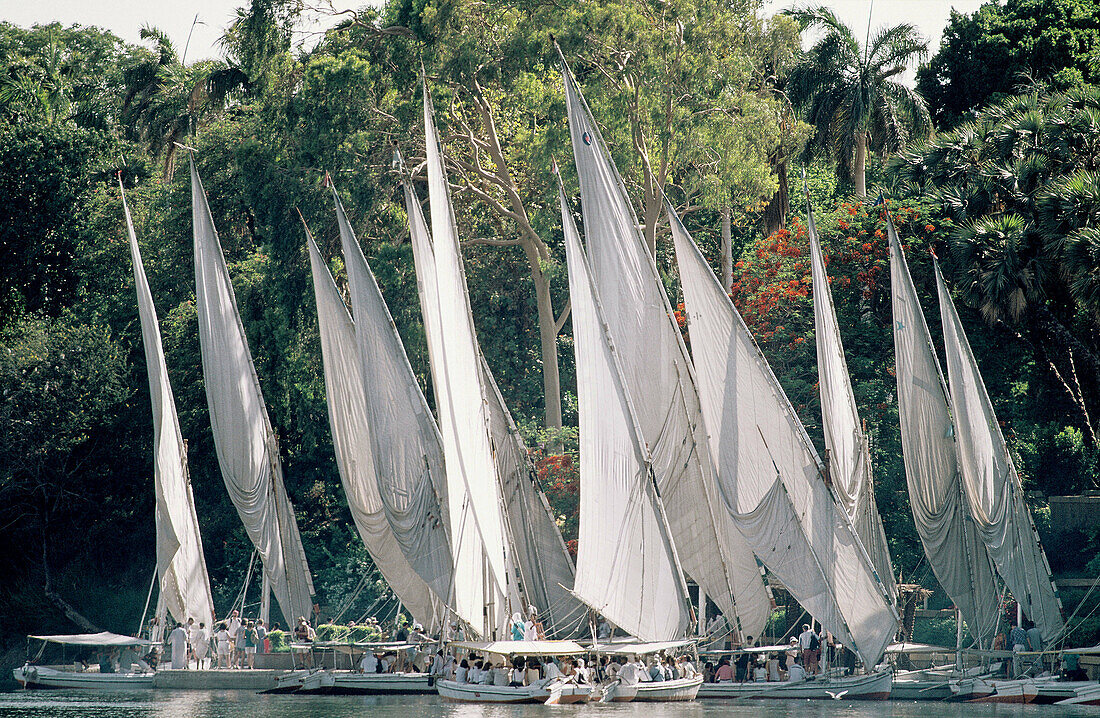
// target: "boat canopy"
[[639, 647], [523, 648], [103, 638]]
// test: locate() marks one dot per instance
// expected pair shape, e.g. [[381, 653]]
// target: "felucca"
[[181, 566], [243, 437]]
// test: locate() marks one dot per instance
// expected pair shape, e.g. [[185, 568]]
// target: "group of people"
[[630, 670], [797, 662], [233, 643], [401, 658]]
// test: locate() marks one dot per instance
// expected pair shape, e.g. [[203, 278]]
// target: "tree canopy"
[[987, 55]]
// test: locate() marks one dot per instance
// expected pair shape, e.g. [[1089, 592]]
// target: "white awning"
[[105, 638], [639, 647], [523, 648]]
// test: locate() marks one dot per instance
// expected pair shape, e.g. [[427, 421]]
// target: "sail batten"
[[955, 552], [991, 484], [345, 397], [626, 566], [181, 564], [660, 381], [849, 456], [770, 474], [243, 437], [404, 441]]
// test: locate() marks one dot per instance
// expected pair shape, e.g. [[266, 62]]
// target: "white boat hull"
[[870, 687], [45, 677], [351, 682], [681, 689], [479, 693], [317, 682]]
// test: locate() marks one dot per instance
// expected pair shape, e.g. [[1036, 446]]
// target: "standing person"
[[251, 640], [517, 626], [232, 625], [1035, 642], [532, 629], [742, 664], [224, 645], [238, 646], [190, 628], [303, 634], [1018, 638], [177, 639], [200, 644], [808, 642], [261, 633]]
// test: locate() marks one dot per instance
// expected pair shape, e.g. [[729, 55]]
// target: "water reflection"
[[243, 704]]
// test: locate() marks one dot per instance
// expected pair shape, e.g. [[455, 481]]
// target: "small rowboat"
[[45, 677]]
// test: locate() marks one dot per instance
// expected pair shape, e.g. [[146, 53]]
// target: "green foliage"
[[1020, 182], [988, 55], [850, 94], [279, 641]]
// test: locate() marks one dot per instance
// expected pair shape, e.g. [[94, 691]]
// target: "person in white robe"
[[177, 640]]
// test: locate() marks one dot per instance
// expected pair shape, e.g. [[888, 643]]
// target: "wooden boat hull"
[[921, 690], [870, 687], [1084, 697], [44, 677], [1010, 692], [681, 689]]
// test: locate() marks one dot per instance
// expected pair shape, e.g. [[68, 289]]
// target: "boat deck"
[[250, 680]]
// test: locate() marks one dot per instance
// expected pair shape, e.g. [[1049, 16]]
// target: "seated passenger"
[[462, 672], [795, 671]]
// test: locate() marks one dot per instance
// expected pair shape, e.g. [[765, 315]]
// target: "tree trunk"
[[548, 338], [727, 250], [775, 214], [859, 165], [534, 249]]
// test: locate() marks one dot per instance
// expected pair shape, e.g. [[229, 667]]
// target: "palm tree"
[[166, 100], [852, 96]]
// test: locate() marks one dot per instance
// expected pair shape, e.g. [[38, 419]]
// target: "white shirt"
[[804, 639], [795, 672], [233, 624], [530, 633], [369, 663], [760, 674], [552, 670], [461, 674], [688, 669]]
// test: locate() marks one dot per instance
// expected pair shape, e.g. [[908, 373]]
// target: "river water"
[[241, 704]]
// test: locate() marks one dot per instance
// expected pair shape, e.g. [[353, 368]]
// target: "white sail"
[[181, 566], [626, 563], [849, 456], [404, 442], [465, 422], [347, 414], [771, 475], [538, 550], [954, 550], [658, 376], [243, 437], [468, 593], [991, 484], [544, 566]]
